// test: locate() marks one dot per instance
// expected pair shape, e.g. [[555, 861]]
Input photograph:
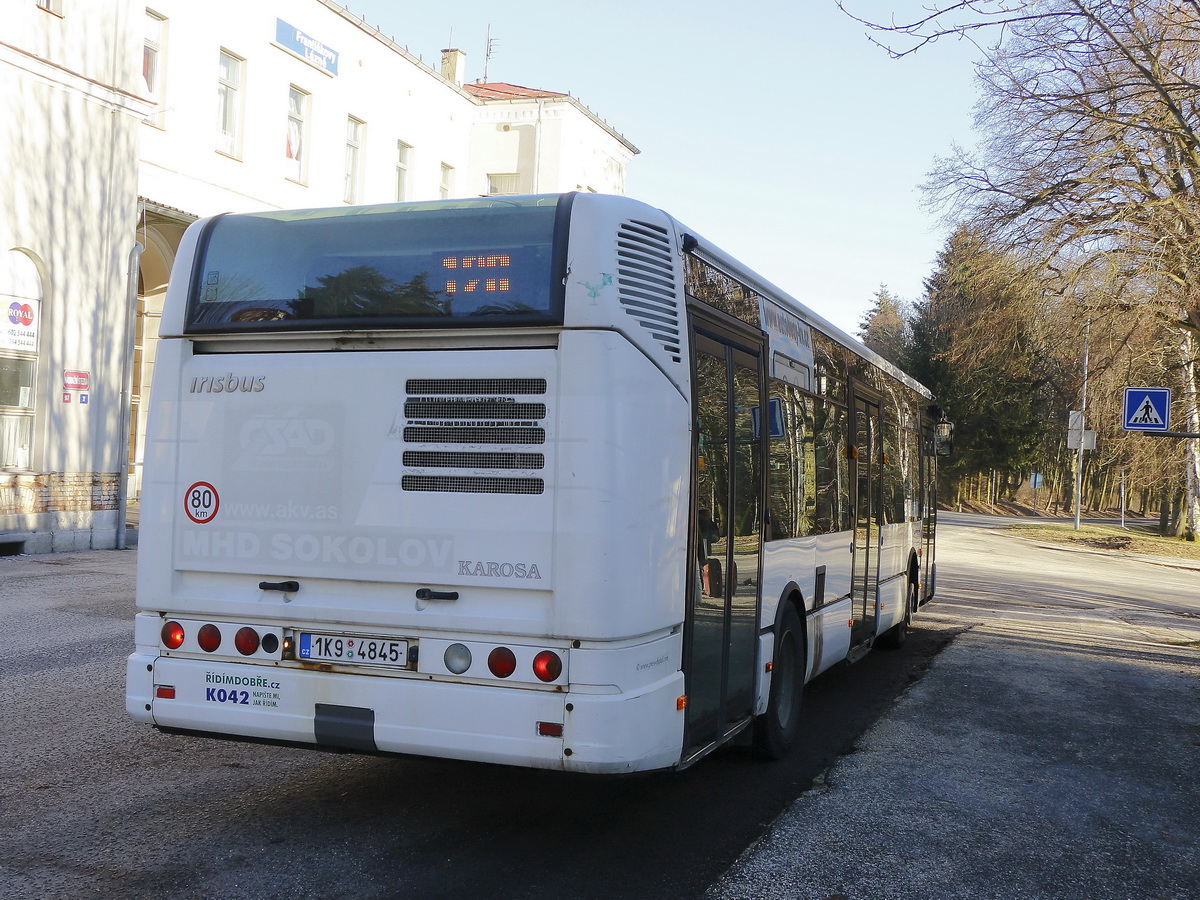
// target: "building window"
[[16, 409], [355, 131], [20, 299], [503, 185], [447, 186], [403, 161], [229, 104], [152, 71], [297, 137]]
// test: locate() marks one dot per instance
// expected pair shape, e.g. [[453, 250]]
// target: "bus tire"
[[894, 637], [775, 730]]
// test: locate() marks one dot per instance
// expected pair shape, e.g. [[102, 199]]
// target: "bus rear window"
[[485, 262]]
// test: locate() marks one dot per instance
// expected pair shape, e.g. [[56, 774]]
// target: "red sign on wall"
[[76, 381]]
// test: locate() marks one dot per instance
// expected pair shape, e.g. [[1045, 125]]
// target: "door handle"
[[425, 596], [288, 587]]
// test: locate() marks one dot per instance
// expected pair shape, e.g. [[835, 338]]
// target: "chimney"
[[453, 64]]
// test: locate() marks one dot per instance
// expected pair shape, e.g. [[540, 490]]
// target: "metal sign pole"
[[1087, 332], [1122, 496]]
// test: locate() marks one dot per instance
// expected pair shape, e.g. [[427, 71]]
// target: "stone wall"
[[59, 511]]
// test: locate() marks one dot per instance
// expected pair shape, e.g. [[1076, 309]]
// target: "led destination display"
[[483, 262]]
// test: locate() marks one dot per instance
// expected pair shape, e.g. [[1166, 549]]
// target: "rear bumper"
[[602, 732]]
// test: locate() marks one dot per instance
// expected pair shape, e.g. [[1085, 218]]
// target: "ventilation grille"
[[449, 421], [476, 386], [471, 408], [457, 484], [484, 435], [453, 460], [646, 282]]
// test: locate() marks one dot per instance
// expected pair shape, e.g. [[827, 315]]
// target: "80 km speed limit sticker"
[[201, 502]]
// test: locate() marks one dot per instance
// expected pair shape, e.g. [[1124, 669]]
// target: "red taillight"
[[172, 635], [502, 662], [209, 638], [246, 640], [550, 729], [547, 665], [164, 692]]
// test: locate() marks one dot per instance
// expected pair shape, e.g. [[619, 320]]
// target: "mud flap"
[[349, 727]]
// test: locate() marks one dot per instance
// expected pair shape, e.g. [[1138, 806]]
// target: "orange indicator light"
[[172, 635]]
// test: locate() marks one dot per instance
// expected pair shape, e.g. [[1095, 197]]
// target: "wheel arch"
[[776, 727], [793, 596]]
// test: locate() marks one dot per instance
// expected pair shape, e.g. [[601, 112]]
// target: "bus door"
[[722, 622], [928, 510], [867, 441]]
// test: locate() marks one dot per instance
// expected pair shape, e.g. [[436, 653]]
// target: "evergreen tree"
[[975, 344], [885, 326]]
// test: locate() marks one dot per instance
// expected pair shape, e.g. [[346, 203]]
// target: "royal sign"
[[19, 325]]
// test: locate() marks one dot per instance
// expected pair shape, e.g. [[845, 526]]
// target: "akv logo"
[[20, 314]]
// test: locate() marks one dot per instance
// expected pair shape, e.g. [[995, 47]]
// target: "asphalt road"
[[1048, 753], [92, 803]]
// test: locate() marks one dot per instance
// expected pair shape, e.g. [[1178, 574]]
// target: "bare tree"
[[1090, 152]]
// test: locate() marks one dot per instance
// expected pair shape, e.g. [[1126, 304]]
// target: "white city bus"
[[546, 481]]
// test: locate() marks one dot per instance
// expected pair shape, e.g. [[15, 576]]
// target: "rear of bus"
[[416, 482]]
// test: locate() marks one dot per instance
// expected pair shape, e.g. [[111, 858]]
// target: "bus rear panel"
[[416, 540]]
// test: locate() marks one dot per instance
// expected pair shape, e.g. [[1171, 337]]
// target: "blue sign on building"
[[1147, 409], [306, 47]]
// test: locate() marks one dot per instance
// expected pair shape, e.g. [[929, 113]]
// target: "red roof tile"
[[498, 90]]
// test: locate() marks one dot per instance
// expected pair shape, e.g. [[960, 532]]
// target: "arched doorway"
[[160, 233]]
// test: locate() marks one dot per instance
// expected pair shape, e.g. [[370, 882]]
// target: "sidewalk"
[[1050, 751]]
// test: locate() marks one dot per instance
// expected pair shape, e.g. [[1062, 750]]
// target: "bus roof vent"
[[646, 282]]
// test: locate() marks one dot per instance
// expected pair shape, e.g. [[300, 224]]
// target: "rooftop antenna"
[[488, 52]]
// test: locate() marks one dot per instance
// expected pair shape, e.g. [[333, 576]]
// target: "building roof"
[[495, 91], [498, 90]]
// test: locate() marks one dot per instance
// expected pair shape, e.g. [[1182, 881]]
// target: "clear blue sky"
[[771, 127]]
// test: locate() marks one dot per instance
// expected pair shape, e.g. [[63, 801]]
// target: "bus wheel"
[[775, 730], [894, 637]]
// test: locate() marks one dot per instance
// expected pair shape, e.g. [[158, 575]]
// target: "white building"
[[70, 115], [137, 120]]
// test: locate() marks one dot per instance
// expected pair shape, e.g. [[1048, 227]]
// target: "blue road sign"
[[1147, 409]]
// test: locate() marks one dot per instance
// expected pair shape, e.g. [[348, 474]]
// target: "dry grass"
[[1133, 539]]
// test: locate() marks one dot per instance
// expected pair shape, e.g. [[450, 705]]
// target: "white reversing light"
[[457, 658]]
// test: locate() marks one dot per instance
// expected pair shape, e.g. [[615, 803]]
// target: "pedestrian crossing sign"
[[1147, 409]]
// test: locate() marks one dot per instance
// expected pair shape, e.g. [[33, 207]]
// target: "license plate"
[[363, 651]]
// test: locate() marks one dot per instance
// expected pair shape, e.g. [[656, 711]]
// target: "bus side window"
[[832, 469], [791, 464]]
